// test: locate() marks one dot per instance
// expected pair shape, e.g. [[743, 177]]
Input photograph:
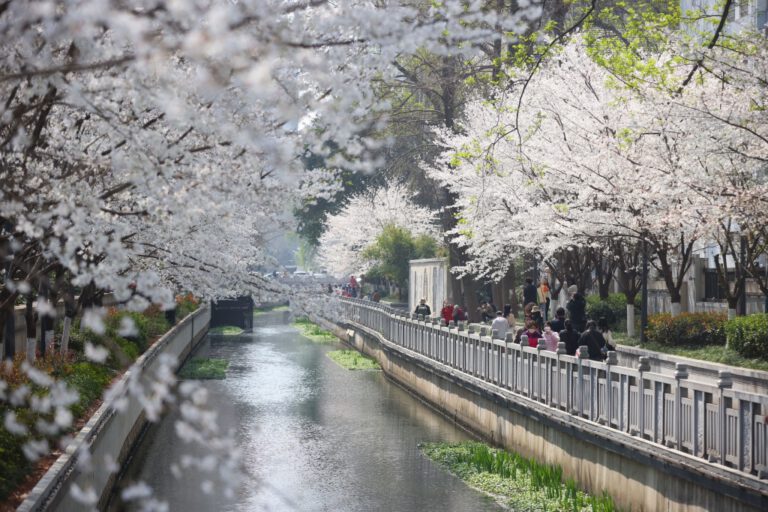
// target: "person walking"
[[542, 297], [551, 337], [458, 314], [558, 324], [594, 341], [423, 308], [487, 311], [447, 312], [570, 337], [533, 333], [529, 292], [500, 325], [605, 330], [536, 317], [577, 308], [509, 316]]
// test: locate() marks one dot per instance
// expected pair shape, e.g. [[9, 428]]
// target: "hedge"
[[748, 335], [613, 309], [687, 329]]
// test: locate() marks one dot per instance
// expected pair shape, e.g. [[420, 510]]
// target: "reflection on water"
[[313, 436]]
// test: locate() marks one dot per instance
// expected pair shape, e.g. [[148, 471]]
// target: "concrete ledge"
[[744, 379], [110, 434], [640, 475]]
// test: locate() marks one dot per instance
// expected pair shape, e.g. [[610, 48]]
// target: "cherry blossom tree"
[[363, 219]]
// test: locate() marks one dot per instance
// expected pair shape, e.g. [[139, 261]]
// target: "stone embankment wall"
[[111, 434]]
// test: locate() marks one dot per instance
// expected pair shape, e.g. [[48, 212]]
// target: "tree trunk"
[[630, 319], [470, 298], [31, 325], [676, 308], [7, 347], [497, 295], [70, 311]]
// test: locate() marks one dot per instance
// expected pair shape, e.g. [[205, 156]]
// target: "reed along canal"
[[313, 435]]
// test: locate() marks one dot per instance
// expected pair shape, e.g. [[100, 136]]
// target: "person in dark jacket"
[[558, 324], [570, 337], [577, 308], [529, 292], [594, 341], [536, 317], [423, 308]]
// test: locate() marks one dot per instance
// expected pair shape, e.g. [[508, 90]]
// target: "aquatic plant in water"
[[226, 330], [313, 331], [203, 368], [513, 480], [353, 360]]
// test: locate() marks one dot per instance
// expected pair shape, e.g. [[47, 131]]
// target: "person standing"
[[500, 325], [529, 292], [577, 308], [423, 308], [542, 296]]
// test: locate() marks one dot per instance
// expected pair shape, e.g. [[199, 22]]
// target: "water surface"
[[313, 436]]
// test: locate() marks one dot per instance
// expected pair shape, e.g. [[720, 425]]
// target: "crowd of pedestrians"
[[569, 325]]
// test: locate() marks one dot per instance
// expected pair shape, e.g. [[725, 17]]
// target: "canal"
[[313, 436]]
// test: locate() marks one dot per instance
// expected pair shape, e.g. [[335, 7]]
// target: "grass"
[[313, 331], [226, 330], [200, 368], [269, 309], [353, 360], [514, 481]]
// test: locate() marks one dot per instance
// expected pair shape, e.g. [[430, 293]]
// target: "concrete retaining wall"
[[111, 434], [639, 475]]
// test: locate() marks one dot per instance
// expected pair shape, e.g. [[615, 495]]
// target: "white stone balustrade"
[[709, 420]]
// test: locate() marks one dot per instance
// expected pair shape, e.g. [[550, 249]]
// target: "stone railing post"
[[610, 360], [643, 366], [681, 373], [510, 373], [541, 392], [724, 381], [559, 379], [582, 353]]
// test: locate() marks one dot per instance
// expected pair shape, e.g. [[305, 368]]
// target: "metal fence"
[[709, 420]]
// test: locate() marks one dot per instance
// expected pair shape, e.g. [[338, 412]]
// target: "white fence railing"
[[709, 420]]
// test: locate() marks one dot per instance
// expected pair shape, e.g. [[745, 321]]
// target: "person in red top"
[[447, 312]]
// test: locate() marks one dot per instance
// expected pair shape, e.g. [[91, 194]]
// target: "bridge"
[[664, 440]]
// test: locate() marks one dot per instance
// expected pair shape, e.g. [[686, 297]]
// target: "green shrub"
[[89, 380], [613, 309], [14, 466], [687, 329], [78, 337], [748, 335]]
